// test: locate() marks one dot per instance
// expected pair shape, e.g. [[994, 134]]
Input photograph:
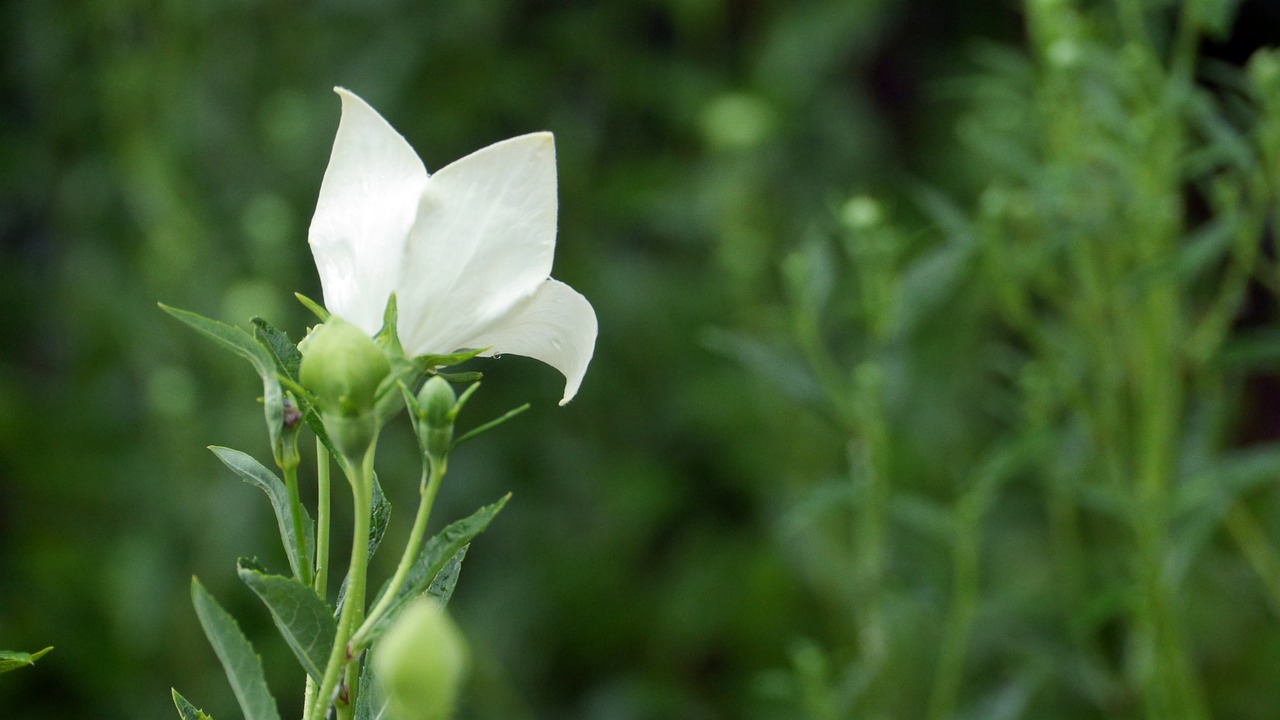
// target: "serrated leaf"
[[239, 341], [10, 660], [447, 579], [241, 663], [254, 473], [437, 553], [370, 704], [381, 517], [283, 351], [186, 710], [303, 619]]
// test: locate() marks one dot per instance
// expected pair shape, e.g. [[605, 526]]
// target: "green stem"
[[352, 606], [427, 490], [295, 513], [322, 520], [321, 580]]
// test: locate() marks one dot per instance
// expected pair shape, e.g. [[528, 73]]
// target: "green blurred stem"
[[353, 604], [964, 602], [1257, 549], [427, 491]]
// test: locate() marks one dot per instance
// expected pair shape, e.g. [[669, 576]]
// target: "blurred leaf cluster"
[[949, 531]]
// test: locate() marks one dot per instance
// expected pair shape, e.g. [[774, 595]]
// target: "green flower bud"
[[421, 662], [343, 367], [435, 426]]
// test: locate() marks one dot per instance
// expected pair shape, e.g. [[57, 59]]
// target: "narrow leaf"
[[490, 425], [370, 704], [304, 620], [239, 341], [10, 660], [435, 555], [253, 472], [447, 579], [241, 663], [429, 362], [186, 710], [313, 306], [283, 351]]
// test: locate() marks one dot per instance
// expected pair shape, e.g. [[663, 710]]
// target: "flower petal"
[[367, 204], [555, 325], [483, 242]]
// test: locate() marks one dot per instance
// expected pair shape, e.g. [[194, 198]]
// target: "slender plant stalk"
[[964, 603], [295, 511], [1253, 542], [427, 491], [321, 579], [352, 606], [322, 521]]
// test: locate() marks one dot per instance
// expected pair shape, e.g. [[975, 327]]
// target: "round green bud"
[[421, 662], [435, 426], [343, 367]]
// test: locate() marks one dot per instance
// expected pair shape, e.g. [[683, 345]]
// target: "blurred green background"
[[693, 536]]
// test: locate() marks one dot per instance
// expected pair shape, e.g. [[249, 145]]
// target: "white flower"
[[467, 251]]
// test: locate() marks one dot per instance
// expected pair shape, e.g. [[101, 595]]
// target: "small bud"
[[421, 662], [435, 426], [344, 368]]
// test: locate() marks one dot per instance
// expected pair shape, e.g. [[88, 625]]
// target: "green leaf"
[[283, 351], [186, 710], [461, 377], [313, 306], [447, 579], [370, 704], [239, 341], [304, 620], [490, 425], [10, 660], [241, 663], [253, 472], [381, 517], [430, 362], [435, 555]]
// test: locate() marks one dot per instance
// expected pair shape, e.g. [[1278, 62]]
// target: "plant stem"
[[295, 513], [352, 606], [321, 580], [322, 521], [427, 491]]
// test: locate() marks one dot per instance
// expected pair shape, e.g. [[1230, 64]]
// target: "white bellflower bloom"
[[467, 250]]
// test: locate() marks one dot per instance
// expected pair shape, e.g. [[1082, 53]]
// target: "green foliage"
[[439, 560], [241, 663], [714, 520], [252, 472], [11, 660], [303, 619], [186, 710]]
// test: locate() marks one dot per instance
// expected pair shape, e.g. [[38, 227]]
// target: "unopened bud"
[[435, 427], [421, 662], [344, 368]]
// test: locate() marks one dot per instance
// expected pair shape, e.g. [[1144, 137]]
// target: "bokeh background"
[[688, 538]]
